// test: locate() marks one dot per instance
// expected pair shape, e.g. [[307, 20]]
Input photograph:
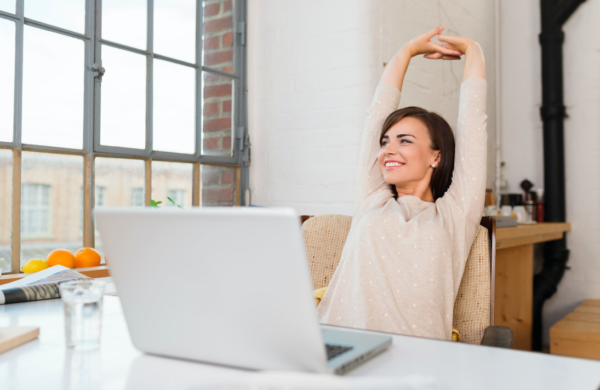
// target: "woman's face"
[[406, 156]]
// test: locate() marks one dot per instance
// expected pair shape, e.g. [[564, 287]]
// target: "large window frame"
[[92, 147]]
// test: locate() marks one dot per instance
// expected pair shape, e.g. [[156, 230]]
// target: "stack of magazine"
[[38, 286]]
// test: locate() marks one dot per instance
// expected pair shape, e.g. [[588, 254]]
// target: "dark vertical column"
[[553, 113]]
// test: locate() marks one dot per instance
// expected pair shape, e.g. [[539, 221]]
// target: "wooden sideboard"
[[513, 305]]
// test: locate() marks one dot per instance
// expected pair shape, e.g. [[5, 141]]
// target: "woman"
[[419, 206]]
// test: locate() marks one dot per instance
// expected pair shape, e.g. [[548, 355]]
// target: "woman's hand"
[[474, 60], [452, 49], [457, 43], [423, 45]]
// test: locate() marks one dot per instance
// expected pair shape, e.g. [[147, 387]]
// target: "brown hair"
[[442, 139]]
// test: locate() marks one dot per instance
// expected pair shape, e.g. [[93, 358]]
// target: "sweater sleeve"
[[385, 101], [467, 191]]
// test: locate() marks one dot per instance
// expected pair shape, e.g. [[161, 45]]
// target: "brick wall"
[[218, 186], [218, 91], [313, 69]]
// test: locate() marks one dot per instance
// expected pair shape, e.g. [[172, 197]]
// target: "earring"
[[432, 165]]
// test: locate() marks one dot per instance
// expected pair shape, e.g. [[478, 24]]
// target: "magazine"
[[38, 286]]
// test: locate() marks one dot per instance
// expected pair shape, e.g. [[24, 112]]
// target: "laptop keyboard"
[[335, 350]]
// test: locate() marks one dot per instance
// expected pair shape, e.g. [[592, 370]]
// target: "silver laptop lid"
[[218, 285]]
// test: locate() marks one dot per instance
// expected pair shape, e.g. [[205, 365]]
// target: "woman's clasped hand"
[[451, 48]]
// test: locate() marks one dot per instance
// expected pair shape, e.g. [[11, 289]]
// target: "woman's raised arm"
[[469, 176]]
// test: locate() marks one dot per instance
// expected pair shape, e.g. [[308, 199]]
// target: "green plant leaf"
[[173, 203], [154, 203]]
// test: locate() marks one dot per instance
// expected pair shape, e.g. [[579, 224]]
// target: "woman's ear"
[[438, 157]]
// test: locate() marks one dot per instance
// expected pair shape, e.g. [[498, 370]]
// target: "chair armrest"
[[498, 336]]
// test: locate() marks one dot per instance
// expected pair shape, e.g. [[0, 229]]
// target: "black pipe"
[[553, 14]]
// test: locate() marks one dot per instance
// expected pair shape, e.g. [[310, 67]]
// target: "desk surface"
[[47, 363], [530, 234]]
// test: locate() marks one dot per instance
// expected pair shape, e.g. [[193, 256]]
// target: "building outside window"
[[35, 210], [100, 196], [178, 197], [137, 197]]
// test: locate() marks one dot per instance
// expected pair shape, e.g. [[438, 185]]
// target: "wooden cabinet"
[[513, 304]]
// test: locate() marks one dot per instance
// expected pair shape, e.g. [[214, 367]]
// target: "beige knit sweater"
[[403, 260]]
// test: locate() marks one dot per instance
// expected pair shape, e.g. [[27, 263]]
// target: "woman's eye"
[[405, 141], [383, 144]]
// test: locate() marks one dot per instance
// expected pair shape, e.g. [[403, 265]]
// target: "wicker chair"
[[325, 236]]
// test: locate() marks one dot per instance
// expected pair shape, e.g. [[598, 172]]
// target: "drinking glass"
[[82, 300]]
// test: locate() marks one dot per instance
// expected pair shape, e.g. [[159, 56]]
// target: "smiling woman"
[[419, 204]]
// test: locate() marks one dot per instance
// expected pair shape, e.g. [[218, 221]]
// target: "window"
[[137, 197], [6, 169], [133, 95], [35, 210], [177, 196], [100, 196]]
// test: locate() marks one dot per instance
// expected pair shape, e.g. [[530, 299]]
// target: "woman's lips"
[[391, 165]]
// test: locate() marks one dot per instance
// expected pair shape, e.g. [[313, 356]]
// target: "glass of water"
[[82, 300]]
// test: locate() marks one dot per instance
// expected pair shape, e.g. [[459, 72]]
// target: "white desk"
[[47, 364]]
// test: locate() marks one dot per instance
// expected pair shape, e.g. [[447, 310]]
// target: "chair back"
[[325, 236], [472, 306]]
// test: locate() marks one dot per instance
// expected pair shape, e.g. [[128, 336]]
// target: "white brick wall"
[[309, 86], [313, 68], [522, 135]]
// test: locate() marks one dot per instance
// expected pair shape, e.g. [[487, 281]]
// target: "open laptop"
[[228, 286]]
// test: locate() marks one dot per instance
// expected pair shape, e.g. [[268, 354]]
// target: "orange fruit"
[[61, 257], [87, 257]]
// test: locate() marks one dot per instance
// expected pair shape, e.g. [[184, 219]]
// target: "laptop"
[[228, 286]]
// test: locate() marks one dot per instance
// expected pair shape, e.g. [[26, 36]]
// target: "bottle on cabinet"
[[540, 205]]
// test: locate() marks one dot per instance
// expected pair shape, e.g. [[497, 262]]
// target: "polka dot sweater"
[[403, 260]]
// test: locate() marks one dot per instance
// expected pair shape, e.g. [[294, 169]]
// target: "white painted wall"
[[522, 135], [313, 68]]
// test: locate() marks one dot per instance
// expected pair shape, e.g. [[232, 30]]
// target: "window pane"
[[119, 182], [217, 108], [175, 29], [67, 14], [123, 110], [53, 71], [7, 78], [173, 180], [8, 6], [124, 21], [50, 212], [218, 35], [6, 177], [174, 108], [218, 185]]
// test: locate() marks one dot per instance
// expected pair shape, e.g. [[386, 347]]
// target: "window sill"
[[32, 237], [92, 272]]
